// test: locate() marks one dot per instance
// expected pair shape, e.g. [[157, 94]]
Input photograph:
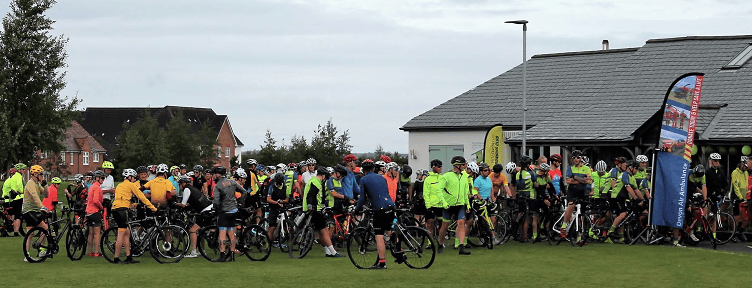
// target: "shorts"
[[226, 221], [273, 215], [533, 205], [253, 201], [17, 206], [458, 211], [420, 207], [94, 220], [433, 212], [618, 205], [33, 218], [121, 217], [573, 195], [318, 220], [382, 221]]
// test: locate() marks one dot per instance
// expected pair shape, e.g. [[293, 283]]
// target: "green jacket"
[[431, 191], [455, 188], [739, 182], [601, 185], [15, 183], [317, 183]]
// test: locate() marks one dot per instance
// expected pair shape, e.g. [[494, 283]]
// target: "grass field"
[[512, 264]]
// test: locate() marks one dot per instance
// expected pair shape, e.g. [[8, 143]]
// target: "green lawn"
[[513, 264]]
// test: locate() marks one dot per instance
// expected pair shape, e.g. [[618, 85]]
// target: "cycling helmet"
[[190, 174], [141, 169], [600, 166], [744, 159], [482, 166], [207, 171], [340, 169], [386, 159], [279, 179], [473, 167], [183, 166], [107, 165], [269, 169], [162, 168], [585, 161], [715, 156], [436, 163], [219, 170], [184, 179], [458, 160], [330, 170], [173, 168], [79, 178], [349, 158], [292, 166], [544, 167], [20, 166], [555, 157], [153, 168], [324, 171], [90, 174], [699, 170], [56, 180], [525, 161], [620, 160], [281, 166], [392, 166], [380, 163], [129, 172], [36, 169], [198, 168], [421, 172], [576, 153], [407, 170], [641, 158], [251, 162], [367, 163], [241, 174], [99, 174], [510, 167], [632, 164], [260, 167], [497, 168], [11, 171], [310, 161], [239, 170]]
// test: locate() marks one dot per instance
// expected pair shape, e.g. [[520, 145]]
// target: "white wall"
[[471, 140]]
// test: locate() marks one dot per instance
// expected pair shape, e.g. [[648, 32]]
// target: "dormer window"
[[740, 59]]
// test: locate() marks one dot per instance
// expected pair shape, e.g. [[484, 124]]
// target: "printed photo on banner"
[[676, 116], [683, 91], [673, 143]]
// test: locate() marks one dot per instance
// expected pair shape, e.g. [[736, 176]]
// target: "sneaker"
[[193, 254], [676, 244], [117, 261], [581, 243], [749, 246], [334, 256], [25, 260], [496, 242], [563, 232], [97, 255], [467, 246], [693, 237], [379, 266], [15, 234], [222, 258], [735, 240], [400, 257], [463, 252], [130, 261], [441, 249], [42, 253], [91, 254]]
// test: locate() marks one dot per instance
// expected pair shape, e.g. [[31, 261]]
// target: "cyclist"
[[484, 185], [544, 192], [375, 188], [312, 199], [471, 172], [124, 192], [76, 196], [512, 169], [417, 196], [208, 187], [525, 180], [697, 184], [455, 189], [196, 202], [556, 176], [578, 177], [32, 208], [500, 184], [641, 177], [198, 177], [601, 181], [183, 170], [624, 189], [391, 175], [277, 197], [226, 205], [739, 189], [94, 208], [350, 187], [13, 188], [434, 199], [405, 186], [290, 180], [311, 163], [51, 201], [160, 189], [716, 184], [380, 167], [108, 186], [262, 177], [174, 174], [337, 198]]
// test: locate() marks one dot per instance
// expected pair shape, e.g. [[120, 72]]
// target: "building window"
[[86, 158], [219, 152], [740, 59], [71, 158], [227, 152], [62, 158], [96, 157], [43, 155]]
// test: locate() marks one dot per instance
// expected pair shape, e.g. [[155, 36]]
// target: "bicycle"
[[165, 242], [40, 244], [578, 221], [725, 223], [7, 224], [303, 235], [253, 241], [340, 230], [482, 231], [698, 217], [409, 244]]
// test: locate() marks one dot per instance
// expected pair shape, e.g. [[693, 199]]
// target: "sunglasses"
[[486, 170]]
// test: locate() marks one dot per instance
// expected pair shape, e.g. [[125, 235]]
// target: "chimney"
[[605, 44]]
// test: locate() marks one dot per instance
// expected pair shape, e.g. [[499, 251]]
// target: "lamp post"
[[524, 82]]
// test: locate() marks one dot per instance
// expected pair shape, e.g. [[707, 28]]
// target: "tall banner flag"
[[494, 146], [672, 170]]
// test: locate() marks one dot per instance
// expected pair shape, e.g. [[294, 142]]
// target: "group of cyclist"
[[439, 197]]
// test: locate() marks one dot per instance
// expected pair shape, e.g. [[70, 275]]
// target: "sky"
[[369, 66]]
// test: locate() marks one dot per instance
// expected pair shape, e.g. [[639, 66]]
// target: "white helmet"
[[421, 172], [129, 172], [330, 170], [380, 163], [641, 158], [473, 167], [510, 167], [544, 167], [744, 158], [310, 161], [190, 174], [600, 166], [162, 168], [241, 174], [392, 166], [252, 162], [585, 161], [281, 168], [240, 170], [715, 156]]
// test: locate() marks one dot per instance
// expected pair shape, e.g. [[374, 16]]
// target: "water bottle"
[[394, 222], [299, 219]]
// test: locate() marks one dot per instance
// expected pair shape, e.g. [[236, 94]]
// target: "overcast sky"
[[370, 66]]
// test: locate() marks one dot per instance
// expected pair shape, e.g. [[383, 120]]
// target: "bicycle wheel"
[[725, 227], [500, 228], [475, 236], [255, 243], [208, 242], [418, 248], [584, 230], [632, 229], [107, 244], [169, 244], [302, 241], [284, 235], [75, 243], [361, 248], [38, 245]]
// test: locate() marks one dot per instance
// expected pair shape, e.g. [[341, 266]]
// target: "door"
[[445, 153]]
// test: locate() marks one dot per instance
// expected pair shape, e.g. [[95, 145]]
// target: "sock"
[[456, 242], [331, 250], [612, 229], [535, 235], [714, 235], [465, 239], [564, 225], [382, 261], [326, 250]]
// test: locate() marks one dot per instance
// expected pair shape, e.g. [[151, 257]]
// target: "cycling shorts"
[[618, 205], [17, 206], [121, 217], [458, 211], [382, 222], [318, 220], [94, 219], [533, 205], [573, 195], [226, 221], [33, 218], [433, 213], [273, 215]]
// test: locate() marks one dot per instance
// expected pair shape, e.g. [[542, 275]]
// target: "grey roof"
[[568, 93]]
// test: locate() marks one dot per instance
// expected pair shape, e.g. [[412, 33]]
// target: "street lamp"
[[524, 82]]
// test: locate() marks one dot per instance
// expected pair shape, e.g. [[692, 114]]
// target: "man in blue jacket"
[[375, 188]]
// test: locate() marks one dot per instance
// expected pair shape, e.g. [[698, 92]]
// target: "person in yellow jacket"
[[455, 189], [124, 192], [738, 190], [13, 192], [434, 201]]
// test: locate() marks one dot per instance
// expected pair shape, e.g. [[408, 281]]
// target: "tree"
[[327, 147], [143, 143], [32, 60], [298, 150], [206, 139], [181, 146]]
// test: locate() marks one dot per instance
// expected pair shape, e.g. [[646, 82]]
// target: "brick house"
[[106, 125], [81, 153]]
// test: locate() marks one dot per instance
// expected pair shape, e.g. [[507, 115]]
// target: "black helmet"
[[525, 161], [498, 168], [458, 160], [632, 164], [219, 170], [198, 168], [407, 170], [483, 166], [183, 166], [207, 171], [322, 171], [436, 163], [279, 179], [340, 169], [141, 169], [576, 153], [699, 170], [99, 174]]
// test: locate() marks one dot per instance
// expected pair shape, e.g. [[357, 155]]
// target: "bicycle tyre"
[[107, 244], [169, 246], [361, 248], [34, 237], [500, 227], [584, 230], [632, 229], [208, 242], [727, 228], [302, 241], [552, 230], [417, 245], [75, 243], [255, 243]]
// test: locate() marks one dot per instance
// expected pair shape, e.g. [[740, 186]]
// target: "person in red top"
[[51, 201], [94, 209], [208, 186], [392, 179]]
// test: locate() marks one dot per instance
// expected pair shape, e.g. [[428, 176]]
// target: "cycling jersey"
[[641, 178], [470, 184], [159, 187], [404, 185], [544, 188], [49, 201], [582, 172], [34, 195], [525, 180], [716, 180], [454, 188], [16, 184], [498, 181], [125, 191], [195, 200], [431, 194], [224, 195], [94, 201], [312, 194], [174, 182], [392, 186], [332, 185], [289, 182], [350, 187], [739, 183], [484, 186], [695, 183], [252, 182], [375, 188], [555, 174], [623, 180], [601, 185]]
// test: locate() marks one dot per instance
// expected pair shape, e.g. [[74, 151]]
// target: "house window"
[[219, 151], [86, 158], [62, 158], [96, 157], [227, 152], [43, 155], [71, 158], [740, 59]]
